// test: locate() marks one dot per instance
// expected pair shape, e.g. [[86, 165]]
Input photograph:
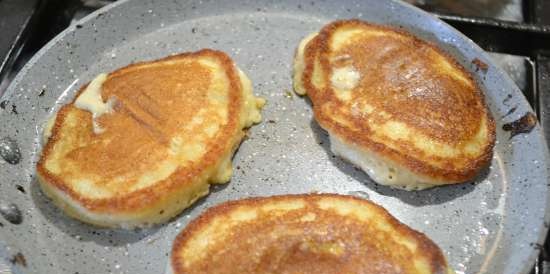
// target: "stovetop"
[[516, 34]]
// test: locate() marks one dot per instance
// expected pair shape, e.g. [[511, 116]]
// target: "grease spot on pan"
[[19, 259], [11, 213], [9, 150]]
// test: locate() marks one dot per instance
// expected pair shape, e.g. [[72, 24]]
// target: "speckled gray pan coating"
[[492, 225]]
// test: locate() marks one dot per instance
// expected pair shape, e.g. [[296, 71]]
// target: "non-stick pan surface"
[[492, 225]]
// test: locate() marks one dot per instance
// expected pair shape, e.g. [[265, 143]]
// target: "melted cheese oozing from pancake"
[[91, 101], [48, 128], [299, 64]]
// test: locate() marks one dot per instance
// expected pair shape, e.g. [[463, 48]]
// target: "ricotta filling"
[[345, 78], [90, 100]]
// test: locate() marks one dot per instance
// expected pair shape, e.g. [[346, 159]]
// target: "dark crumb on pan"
[[78, 26], [512, 110], [19, 259], [20, 188], [525, 124], [271, 121], [238, 167], [508, 97], [480, 65], [14, 109], [1, 225], [536, 246], [42, 92], [194, 30], [3, 104]]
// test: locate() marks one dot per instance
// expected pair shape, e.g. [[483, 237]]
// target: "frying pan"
[[494, 224]]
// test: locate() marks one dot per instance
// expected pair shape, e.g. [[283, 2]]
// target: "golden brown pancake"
[[400, 108], [316, 233], [142, 143]]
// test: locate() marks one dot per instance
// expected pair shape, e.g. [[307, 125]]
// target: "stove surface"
[[510, 10]]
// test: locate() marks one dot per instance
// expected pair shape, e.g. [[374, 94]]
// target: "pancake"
[[140, 144], [398, 107], [316, 233]]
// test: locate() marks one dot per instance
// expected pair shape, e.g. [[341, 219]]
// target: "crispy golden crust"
[[144, 197], [310, 238], [453, 110]]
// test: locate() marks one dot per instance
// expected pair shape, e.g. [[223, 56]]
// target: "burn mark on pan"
[[525, 124], [480, 65], [3, 104], [19, 259], [42, 92], [11, 213], [9, 151], [21, 189], [14, 109]]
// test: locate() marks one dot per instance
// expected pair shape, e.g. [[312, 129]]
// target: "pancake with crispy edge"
[[398, 107], [309, 233], [171, 130]]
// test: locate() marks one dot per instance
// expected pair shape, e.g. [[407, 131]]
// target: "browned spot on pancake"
[[398, 76], [145, 114]]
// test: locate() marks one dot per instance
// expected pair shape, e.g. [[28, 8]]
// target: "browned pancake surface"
[[154, 102], [410, 95], [303, 234]]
